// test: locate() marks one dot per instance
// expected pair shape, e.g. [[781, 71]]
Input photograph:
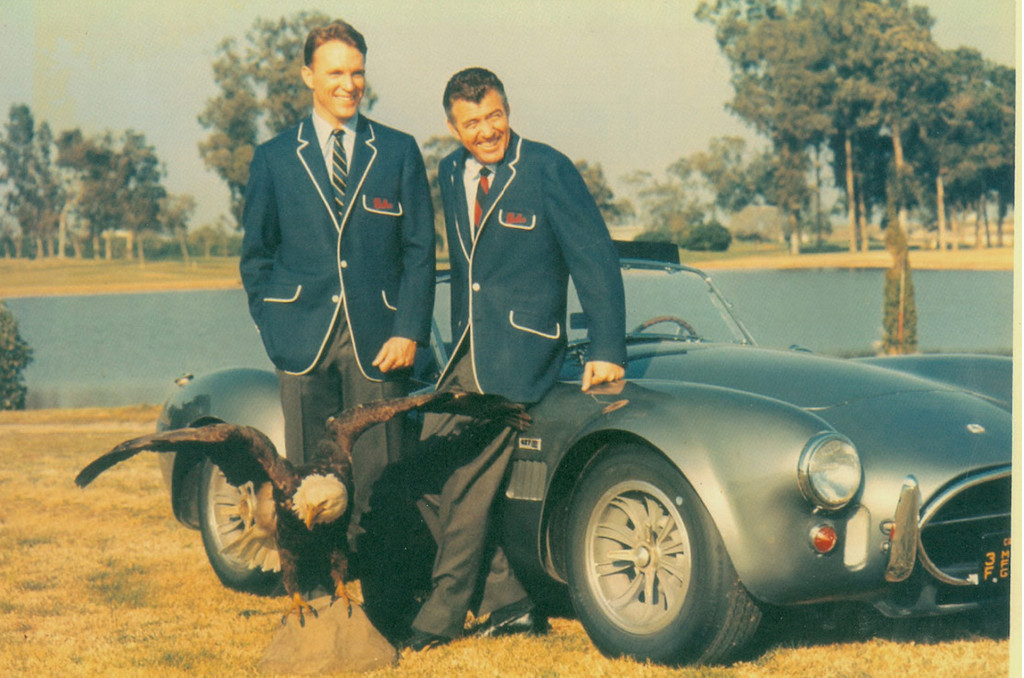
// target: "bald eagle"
[[311, 501]]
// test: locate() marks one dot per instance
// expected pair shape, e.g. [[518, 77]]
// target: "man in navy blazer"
[[520, 222], [341, 287]]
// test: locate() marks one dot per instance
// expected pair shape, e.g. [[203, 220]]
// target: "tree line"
[[859, 87], [848, 97], [69, 192]]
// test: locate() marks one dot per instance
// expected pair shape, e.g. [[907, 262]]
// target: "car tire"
[[648, 573], [220, 525]]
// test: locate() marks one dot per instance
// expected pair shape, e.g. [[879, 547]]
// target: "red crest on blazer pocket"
[[385, 206], [521, 220]]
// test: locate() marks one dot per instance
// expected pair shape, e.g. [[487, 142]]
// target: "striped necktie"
[[339, 172], [481, 192]]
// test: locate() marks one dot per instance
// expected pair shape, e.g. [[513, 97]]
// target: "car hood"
[[800, 378]]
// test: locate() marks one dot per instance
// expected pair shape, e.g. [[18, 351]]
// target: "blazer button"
[[344, 264], [476, 287], [335, 299]]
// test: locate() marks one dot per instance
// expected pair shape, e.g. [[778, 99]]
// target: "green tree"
[[969, 137], [899, 309], [781, 86], [615, 211], [261, 94], [210, 237], [119, 184], [728, 177], [35, 195], [435, 149], [15, 356], [175, 214], [669, 207], [142, 191]]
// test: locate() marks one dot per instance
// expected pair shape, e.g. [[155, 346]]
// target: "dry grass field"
[[103, 581]]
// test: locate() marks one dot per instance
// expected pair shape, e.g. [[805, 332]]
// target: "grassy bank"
[[103, 581], [27, 278], [32, 278]]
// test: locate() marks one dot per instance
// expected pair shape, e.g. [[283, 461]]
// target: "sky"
[[630, 84]]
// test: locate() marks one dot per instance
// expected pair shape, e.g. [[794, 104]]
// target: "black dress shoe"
[[519, 617], [422, 640]]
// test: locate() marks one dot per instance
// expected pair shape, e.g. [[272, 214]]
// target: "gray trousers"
[[334, 384], [460, 520]]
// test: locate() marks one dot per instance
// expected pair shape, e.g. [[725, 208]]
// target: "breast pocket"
[[524, 221], [388, 207]]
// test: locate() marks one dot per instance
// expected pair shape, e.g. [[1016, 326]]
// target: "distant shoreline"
[[993, 259], [29, 278]]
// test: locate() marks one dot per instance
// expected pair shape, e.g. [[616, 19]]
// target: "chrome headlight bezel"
[[829, 472]]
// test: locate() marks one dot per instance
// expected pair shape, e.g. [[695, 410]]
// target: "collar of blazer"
[[362, 160], [504, 175]]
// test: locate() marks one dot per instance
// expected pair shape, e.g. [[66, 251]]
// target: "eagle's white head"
[[320, 499]]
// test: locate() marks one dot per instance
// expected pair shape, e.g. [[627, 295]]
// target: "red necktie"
[[481, 192]]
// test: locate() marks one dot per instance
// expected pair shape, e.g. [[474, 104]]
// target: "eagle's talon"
[[298, 607], [341, 593]]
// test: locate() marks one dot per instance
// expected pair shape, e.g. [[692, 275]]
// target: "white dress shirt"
[[470, 179], [324, 136]]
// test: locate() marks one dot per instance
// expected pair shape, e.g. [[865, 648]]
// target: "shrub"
[[708, 237], [15, 355]]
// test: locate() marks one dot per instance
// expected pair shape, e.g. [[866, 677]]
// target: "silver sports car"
[[719, 478]]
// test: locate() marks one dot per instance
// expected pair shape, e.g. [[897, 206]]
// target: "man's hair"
[[336, 30], [472, 85]]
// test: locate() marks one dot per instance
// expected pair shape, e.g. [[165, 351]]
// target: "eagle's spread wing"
[[348, 425], [243, 453], [483, 407]]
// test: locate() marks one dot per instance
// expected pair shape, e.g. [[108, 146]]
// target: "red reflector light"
[[823, 538]]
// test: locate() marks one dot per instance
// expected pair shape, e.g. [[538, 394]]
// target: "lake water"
[[108, 350]]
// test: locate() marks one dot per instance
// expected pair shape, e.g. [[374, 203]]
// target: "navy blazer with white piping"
[[302, 266], [509, 284]]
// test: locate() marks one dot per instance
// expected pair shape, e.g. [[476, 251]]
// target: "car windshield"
[[686, 306], [668, 302]]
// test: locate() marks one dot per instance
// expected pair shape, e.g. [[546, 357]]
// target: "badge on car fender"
[[529, 444]]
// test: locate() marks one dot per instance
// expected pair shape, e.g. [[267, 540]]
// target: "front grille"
[[963, 522]]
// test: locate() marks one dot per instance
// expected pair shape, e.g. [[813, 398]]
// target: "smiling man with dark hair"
[[520, 222]]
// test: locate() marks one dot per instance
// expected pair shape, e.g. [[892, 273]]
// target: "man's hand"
[[397, 353], [599, 372]]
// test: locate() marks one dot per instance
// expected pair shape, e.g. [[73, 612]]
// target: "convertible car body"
[[719, 478]]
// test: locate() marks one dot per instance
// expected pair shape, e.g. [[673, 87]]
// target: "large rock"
[[331, 642]]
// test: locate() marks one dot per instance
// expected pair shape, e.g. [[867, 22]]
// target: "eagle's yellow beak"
[[314, 513]]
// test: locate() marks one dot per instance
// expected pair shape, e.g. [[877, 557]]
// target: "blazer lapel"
[[504, 175], [458, 187], [363, 156], [311, 157]]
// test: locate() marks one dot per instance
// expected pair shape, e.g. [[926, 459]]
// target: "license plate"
[[995, 560]]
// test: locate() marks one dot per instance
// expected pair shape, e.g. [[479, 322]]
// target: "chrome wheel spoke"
[[617, 534], [648, 587], [606, 569], [634, 510], [629, 595]]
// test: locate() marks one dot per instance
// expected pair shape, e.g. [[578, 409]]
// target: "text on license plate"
[[995, 561]]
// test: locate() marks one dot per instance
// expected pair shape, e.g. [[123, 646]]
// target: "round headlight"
[[829, 472]]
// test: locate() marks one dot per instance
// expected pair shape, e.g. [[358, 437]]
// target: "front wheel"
[[648, 574], [237, 525]]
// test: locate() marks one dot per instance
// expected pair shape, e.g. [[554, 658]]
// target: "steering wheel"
[[682, 326]]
